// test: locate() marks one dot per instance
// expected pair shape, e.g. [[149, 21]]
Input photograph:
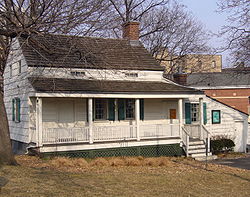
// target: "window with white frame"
[[130, 108], [19, 63], [77, 73], [16, 112], [194, 112], [213, 64], [100, 109], [10, 67], [132, 75]]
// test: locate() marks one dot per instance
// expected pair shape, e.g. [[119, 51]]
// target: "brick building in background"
[[231, 86]]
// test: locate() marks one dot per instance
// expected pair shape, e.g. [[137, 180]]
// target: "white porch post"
[[90, 118], [137, 118], [180, 109], [39, 121], [201, 116]]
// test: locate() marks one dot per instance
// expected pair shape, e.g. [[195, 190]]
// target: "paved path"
[[243, 163]]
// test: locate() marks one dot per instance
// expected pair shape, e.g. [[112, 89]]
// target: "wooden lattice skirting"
[[145, 151]]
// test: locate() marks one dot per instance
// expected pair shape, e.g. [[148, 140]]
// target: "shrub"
[[220, 144]]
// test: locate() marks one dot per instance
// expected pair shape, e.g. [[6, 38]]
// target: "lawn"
[[122, 177]]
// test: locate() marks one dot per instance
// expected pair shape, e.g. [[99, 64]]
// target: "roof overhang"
[[115, 95]]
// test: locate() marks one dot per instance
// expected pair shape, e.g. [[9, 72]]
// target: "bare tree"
[[238, 29], [167, 30], [165, 26], [22, 18]]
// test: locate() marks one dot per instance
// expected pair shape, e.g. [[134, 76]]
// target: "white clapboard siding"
[[233, 123], [17, 86], [98, 74], [248, 138]]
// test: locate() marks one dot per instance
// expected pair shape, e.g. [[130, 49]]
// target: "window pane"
[[194, 112], [130, 108], [100, 109]]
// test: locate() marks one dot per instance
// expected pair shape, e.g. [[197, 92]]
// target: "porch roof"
[[56, 85]]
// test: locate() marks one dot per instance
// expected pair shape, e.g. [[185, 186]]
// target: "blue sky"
[[205, 12]]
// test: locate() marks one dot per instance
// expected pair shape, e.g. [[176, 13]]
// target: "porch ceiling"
[[60, 85]]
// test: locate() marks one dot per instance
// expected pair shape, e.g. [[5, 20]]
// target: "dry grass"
[[232, 155], [65, 162], [122, 177]]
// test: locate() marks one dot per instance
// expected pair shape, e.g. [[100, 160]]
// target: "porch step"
[[208, 158], [199, 154], [196, 150], [196, 142], [198, 146]]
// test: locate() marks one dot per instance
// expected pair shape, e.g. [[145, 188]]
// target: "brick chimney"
[[180, 78], [131, 30]]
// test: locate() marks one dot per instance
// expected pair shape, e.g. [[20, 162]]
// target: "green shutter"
[[141, 109], [93, 109], [87, 110], [18, 109], [111, 109], [188, 113], [205, 113], [121, 109], [13, 109]]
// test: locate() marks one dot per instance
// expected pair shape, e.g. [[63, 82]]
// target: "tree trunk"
[[6, 154]]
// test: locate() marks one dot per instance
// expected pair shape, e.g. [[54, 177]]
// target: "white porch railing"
[[159, 130], [109, 133], [206, 135], [65, 135], [193, 130], [185, 139]]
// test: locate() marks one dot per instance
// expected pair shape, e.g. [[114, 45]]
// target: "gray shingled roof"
[[97, 86], [218, 79], [86, 52]]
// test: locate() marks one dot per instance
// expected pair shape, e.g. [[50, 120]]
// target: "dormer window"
[[77, 73], [133, 75]]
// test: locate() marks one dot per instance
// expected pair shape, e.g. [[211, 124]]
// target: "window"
[[213, 64], [199, 64], [100, 109], [10, 70], [77, 73], [19, 66], [216, 119], [130, 109], [134, 75], [16, 110], [194, 112]]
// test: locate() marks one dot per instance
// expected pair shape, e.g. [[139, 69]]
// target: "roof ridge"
[[81, 36]]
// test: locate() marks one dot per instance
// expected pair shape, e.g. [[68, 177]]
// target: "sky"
[[205, 12]]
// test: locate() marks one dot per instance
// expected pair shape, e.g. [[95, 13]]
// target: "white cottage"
[[96, 97]]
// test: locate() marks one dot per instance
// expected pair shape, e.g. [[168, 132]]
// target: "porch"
[[92, 120], [66, 124]]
